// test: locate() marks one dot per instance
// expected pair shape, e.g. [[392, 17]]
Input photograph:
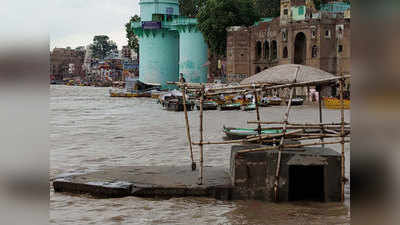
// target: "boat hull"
[[177, 106], [230, 107], [275, 102]]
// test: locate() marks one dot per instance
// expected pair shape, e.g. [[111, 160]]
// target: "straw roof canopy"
[[286, 73]]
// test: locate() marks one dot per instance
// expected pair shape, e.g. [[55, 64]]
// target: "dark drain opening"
[[306, 183]]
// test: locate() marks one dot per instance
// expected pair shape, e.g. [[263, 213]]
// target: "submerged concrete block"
[[305, 174]]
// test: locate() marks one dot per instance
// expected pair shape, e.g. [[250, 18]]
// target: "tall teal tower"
[[169, 44]]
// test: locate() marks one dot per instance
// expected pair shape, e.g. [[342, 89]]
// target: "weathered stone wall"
[[243, 55], [60, 58], [238, 54]]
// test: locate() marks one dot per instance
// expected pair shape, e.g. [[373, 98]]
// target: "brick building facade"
[[66, 63], [301, 35]]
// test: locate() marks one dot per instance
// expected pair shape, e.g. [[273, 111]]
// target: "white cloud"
[[75, 22]]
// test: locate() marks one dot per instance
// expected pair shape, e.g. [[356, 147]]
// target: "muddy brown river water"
[[90, 131]]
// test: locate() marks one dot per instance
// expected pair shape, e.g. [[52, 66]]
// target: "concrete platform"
[[154, 181]]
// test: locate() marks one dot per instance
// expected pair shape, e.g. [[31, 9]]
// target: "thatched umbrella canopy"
[[286, 73]]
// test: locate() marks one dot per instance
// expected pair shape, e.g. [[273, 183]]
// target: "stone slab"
[[148, 181]]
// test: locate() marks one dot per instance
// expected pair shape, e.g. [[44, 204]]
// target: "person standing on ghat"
[[181, 78]]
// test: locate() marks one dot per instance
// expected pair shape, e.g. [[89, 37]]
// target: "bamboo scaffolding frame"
[[269, 86], [183, 87], [328, 130]]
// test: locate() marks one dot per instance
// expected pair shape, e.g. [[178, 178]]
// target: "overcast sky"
[[74, 22]]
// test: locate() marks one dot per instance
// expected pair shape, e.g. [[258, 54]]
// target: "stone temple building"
[[67, 63], [301, 35]]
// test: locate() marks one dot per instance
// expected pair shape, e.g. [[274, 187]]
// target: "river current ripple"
[[90, 131]]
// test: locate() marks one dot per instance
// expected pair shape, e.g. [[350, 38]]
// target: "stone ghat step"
[[148, 181]]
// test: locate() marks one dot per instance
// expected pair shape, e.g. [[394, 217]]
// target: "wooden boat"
[[264, 102], [334, 103], [133, 94], [177, 105], [274, 100], [249, 107], [207, 105], [295, 101], [230, 106], [241, 133]]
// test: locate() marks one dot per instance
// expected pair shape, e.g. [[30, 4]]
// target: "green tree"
[[133, 41], [102, 46], [217, 15], [267, 8], [190, 8]]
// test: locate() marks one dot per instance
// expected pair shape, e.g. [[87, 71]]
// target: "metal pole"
[[188, 126]]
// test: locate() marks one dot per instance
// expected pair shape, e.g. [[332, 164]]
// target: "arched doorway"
[[266, 50], [300, 49], [258, 50], [285, 52], [258, 69], [274, 53]]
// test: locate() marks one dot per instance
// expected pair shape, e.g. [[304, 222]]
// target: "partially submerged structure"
[[284, 171]]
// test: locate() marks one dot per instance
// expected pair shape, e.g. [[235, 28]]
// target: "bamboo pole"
[[320, 114], [183, 87], [258, 116], [343, 141], [276, 185], [297, 124], [292, 138], [266, 136], [290, 146], [261, 86], [303, 127], [201, 136]]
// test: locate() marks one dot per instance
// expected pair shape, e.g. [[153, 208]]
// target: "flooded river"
[[90, 131]]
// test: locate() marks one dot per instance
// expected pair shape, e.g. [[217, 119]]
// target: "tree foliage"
[[217, 15], [267, 8], [133, 41], [102, 46], [190, 8]]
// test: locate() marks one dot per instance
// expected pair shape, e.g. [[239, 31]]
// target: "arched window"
[[266, 50], [258, 50], [340, 48], [285, 52], [314, 51], [274, 53]]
